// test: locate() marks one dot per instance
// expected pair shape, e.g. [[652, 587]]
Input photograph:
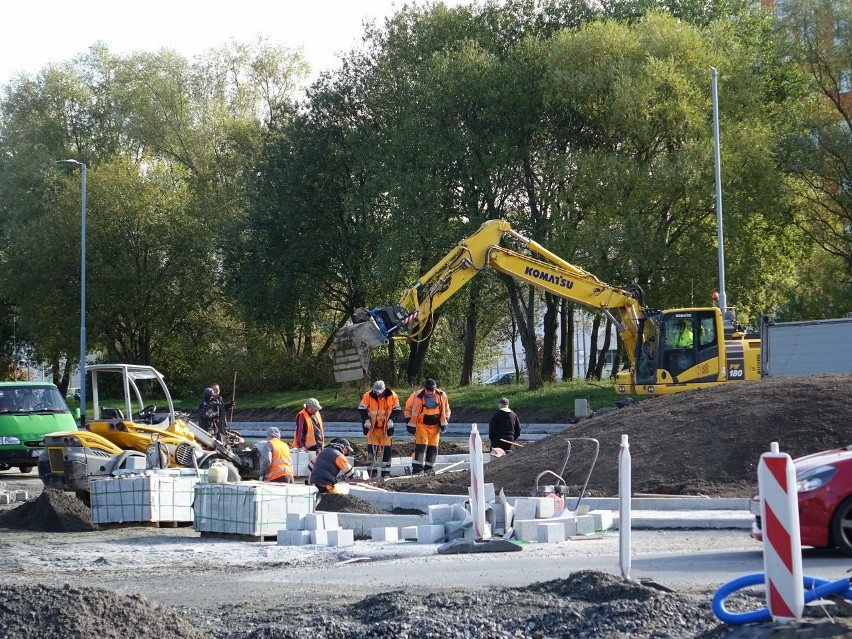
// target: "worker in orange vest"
[[379, 410], [309, 434], [275, 463], [427, 412]]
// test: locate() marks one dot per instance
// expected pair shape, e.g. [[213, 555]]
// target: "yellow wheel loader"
[[129, 434]]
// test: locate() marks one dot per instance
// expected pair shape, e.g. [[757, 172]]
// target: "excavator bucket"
[[352, 347]]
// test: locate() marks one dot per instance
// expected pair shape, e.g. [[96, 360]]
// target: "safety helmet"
[[342, 445], [378, 387], [313, 403]]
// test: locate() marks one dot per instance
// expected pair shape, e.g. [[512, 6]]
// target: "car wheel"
[[25, 469], [841, 526]]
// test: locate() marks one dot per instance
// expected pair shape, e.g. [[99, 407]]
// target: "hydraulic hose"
[[814, 589]]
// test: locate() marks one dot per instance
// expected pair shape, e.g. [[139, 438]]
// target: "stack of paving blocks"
[[12, 496], [319, 529], [527, 519], [153, 496], [257, 509]]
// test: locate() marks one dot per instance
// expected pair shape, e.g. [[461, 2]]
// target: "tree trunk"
[[593, 347], [414, 370], [525, 316], [604, 350], [548, 348], [566, 340], [392, 364], [470, 334]]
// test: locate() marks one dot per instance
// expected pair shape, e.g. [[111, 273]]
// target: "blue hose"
[[814, 589]]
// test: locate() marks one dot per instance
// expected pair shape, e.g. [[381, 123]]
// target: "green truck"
[[28, 412]]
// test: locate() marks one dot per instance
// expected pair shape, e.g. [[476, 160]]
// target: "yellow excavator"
[[669, 351]]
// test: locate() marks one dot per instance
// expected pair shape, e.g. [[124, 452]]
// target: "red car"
[[824, 485]]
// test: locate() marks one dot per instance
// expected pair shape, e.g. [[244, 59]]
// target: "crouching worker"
[[330, 464], [275, 463]]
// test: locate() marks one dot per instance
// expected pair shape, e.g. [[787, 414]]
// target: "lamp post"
[[82, 291]]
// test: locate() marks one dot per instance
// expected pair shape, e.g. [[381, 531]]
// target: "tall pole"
[[82, 291], [723, 298]]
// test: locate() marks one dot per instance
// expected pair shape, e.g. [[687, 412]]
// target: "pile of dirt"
[[704, 442], [52, 511], [334, 503], [37, 611]]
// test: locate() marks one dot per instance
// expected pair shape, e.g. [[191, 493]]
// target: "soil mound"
[[705, 442], [37, 611], [334, 503], [53, 511]]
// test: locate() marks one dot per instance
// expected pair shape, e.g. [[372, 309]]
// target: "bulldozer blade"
[[352, 347]]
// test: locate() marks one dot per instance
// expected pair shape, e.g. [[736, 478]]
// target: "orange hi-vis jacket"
[[309, 431], [416, 412], [379, 410], [281, 464]]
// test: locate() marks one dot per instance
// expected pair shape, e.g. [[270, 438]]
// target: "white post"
[[624, 494], [477, 485]]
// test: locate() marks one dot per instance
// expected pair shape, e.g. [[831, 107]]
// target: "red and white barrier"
[[782, 547]]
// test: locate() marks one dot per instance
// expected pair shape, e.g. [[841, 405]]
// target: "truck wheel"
[[25, 469], [841, 526]]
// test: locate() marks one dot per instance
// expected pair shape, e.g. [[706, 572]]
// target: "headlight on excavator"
[[650, 390], [622, 389]]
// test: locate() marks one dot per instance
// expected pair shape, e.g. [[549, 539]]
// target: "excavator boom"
[[662, 370]]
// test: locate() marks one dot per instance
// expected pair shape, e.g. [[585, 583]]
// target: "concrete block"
[[430, 534], [454, 530], [440, 513], [460, 513], [341, 537], [551, 531], [585, 524], [525, 508], [526, 529], [320, 537], [317, 521], [545, 507], [295, 521], [603, 519], [331, 521], [5, 498], [408, 532], [581, 408], [384, 534], [21, 495], [569, 522], [294, 538]]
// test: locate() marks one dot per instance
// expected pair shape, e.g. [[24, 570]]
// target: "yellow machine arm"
[[552, 274]]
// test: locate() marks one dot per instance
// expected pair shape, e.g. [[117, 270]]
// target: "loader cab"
[[679, 346]]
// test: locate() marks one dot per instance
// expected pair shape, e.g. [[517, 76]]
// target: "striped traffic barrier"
[[782, 547]]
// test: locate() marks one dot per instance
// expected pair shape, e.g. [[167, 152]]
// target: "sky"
[[38, 32]]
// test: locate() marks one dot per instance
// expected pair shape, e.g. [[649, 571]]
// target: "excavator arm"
[[481, 250]]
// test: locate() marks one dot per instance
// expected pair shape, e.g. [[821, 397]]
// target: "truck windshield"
[[32, 399]]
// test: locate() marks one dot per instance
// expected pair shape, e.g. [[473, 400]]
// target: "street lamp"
[[82, 292]]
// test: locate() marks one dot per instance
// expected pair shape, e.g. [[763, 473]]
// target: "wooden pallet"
[[238, 536], [144, 524]]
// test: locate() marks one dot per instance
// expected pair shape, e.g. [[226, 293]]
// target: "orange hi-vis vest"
[[311, 436], [417, 413], [281, 464], [379, 409]]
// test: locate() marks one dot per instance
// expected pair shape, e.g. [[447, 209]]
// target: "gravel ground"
[[66, 578]]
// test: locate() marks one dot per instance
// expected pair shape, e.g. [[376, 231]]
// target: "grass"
[[556, 397]]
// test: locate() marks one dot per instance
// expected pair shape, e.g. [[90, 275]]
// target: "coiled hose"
[[814, 589]]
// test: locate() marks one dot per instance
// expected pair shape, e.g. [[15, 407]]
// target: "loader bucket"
[[351, 350]]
